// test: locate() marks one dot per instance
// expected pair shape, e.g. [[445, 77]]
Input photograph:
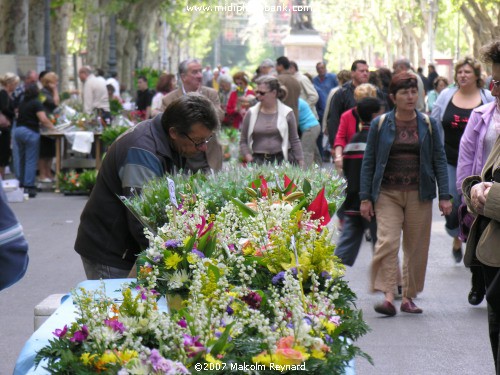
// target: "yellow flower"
[[127, 355], [318, 354], [172, 261], [192, 258], [108, 357], [263, 358], [211, 359], [330, 327], [87, 358]]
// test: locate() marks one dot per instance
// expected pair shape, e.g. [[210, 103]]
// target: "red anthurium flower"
[[263, 186], [288, 182], [319, 208]]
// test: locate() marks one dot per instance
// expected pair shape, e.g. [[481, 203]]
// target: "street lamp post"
[[112, 46], [430, 28]]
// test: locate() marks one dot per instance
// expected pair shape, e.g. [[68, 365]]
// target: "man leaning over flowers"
[[109, 237]]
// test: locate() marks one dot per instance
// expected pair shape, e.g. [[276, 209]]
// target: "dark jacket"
[[108, 232], [342, 101], [13, 246], [432, 159]]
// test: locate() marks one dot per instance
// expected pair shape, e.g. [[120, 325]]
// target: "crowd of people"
[[400, 139]]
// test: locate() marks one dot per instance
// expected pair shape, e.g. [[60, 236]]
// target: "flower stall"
[[246, 264]]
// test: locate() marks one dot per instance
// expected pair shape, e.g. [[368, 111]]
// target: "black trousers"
[[492, 283]]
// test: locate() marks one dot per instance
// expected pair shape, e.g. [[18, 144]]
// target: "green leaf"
[[222, 341], [245, 210]]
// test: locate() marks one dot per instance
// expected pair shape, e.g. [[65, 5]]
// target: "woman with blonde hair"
[[269, 129], [9, 82], [49, 96], [451, 111], [349, 122]]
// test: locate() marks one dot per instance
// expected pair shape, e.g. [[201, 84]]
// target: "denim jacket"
[[432, 159]]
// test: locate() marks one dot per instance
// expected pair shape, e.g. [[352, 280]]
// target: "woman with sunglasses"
[[451, 111], [269, 130]]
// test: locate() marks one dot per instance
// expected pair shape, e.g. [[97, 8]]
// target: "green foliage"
[[110, 133], [151, 75], [72, 181]]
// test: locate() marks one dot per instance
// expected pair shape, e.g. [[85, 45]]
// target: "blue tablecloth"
[[66, 314]]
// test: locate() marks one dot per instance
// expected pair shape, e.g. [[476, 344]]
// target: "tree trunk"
[[35, 29], [483, 27], [93, 33], [59, 32], [17, 29]]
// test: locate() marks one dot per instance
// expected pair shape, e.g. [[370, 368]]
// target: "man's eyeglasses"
[[198, 145], [261, 93], [495, 84]]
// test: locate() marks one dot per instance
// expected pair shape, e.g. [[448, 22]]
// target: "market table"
[[59, 137]]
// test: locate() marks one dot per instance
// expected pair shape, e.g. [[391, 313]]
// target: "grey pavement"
[[450, 337]]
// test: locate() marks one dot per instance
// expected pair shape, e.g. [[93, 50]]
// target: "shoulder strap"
[[381, 121]]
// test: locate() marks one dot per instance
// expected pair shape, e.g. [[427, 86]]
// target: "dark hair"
[[295, 66], [143, 78], [354, 65], [476, 67], [283, 61], [401, 81], [110, 88], [99, 72], [31, 91], [420, 69], [188, 110], [490, 53], [385, 76], [164, 83], [41, 75], [274, 85], [374, 79], [367, 107]]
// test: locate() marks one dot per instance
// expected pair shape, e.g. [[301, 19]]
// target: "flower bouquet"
[[133, 337], [74, 183]]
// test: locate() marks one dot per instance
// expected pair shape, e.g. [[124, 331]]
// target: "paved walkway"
[[450, 337]]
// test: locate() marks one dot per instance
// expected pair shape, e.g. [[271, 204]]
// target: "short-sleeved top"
[[454, 122], [144, 99], [27, 114]]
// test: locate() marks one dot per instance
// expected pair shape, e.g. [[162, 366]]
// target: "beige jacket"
[[486, 243], [213, 155]]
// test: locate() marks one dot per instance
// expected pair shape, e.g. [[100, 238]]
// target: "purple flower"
[[115, 325], [198, 252], [290, 325], [229, 310], [325, 275], [308, 320], [253, 300], [218, 334], [172, 244], [294, 271], [328, 338], [231, 247], [60, 332], [192, 345], [182, 323], [278, 278], [81, 335]]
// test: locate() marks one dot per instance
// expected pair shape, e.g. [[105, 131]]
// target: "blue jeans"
[[350, 240], [452, 224], [15, 153], [28, 145]]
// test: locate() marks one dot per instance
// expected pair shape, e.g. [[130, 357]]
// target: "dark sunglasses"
[[197, 145], [261, 93]]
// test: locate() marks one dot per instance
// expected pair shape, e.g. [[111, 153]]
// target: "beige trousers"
[[398, 211]]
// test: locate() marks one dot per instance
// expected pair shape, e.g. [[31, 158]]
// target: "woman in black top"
[[27, 136], [9, 83], [49, 96]]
